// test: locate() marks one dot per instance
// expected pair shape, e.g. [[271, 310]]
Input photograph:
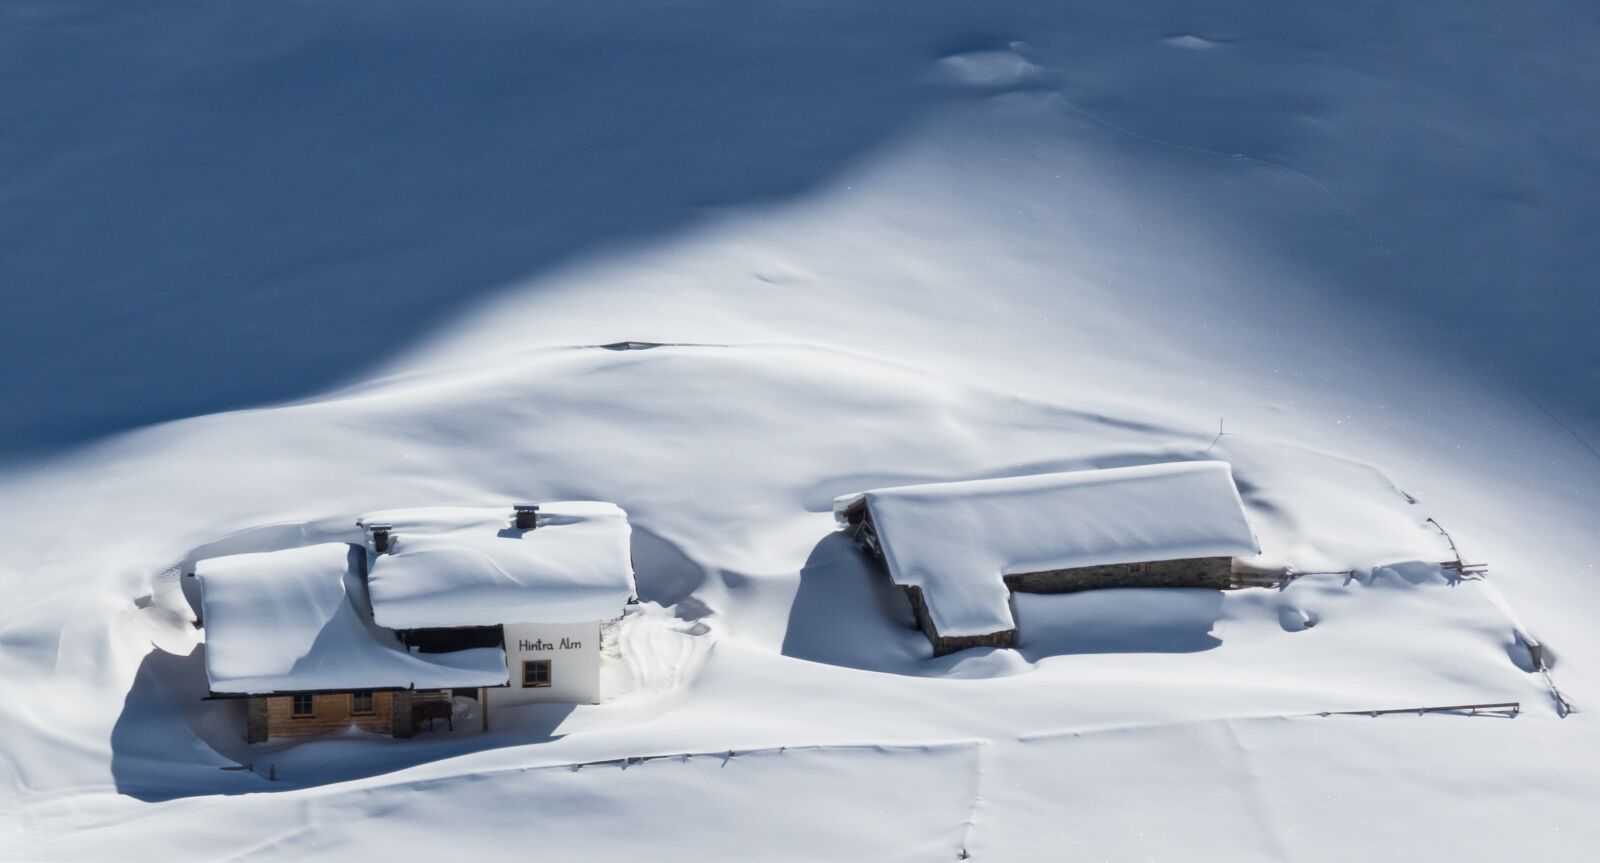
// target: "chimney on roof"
[[380, 537], [527, 515]]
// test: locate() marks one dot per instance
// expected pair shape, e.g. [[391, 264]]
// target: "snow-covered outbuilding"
[[958, 549], [437, 605]]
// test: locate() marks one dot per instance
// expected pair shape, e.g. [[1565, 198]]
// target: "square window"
[[302, 706], [536, 672], [361, 703]]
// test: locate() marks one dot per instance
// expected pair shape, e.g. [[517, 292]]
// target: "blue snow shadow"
[[169, 742], [1117, 620], [847, 612], [214, 205]]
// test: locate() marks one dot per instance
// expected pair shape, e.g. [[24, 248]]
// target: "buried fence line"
[[1499, 707], [1563, 706], [726, 755], [1458, 564], [729, 754], [1536, 655]]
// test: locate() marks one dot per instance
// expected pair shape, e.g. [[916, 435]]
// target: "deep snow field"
[[267, 267]]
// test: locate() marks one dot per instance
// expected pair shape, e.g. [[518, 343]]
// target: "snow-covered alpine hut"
[[291, 632], [437, 605], [539, 581], [958, 549]]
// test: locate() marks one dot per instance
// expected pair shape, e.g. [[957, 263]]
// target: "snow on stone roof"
[[296, 620], [464, 566], [957, 540]]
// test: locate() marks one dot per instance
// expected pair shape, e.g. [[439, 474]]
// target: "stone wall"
[[943, 644], [1213, 572], [402, 723], [255, 722], [950, 644]]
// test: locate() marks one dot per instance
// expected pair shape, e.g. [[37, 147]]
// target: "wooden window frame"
[[549, 673], [294, 706], [372, 703]]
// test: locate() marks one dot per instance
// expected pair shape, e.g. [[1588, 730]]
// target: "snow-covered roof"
[[295, 620], [957, 540], [468, 566]]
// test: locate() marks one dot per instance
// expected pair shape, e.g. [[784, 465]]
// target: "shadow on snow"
[[847, 612], [321, 186], [169, 742]]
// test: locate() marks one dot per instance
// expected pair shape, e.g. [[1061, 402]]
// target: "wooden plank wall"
[[330, 712]]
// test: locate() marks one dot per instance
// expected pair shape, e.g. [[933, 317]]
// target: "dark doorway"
[[451, 639]]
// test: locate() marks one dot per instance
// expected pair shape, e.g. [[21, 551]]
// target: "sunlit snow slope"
[[269, 267]]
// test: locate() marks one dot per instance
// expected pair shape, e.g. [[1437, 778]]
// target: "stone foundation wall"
[[950, 644], [255, 722], [401, 721], [1212, 572], [943, 644]]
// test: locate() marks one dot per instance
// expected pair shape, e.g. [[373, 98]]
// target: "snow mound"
[[1191, 42], [999, 68]]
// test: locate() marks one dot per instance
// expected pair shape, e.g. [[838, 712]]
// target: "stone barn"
[[959, 549]]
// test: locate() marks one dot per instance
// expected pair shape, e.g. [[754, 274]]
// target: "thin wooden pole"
[[1513, 707]]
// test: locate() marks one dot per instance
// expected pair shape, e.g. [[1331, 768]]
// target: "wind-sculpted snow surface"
[[780, 648], [1343, 250], [209, 205]]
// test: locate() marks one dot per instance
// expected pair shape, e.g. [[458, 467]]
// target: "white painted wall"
[[573, 650]]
